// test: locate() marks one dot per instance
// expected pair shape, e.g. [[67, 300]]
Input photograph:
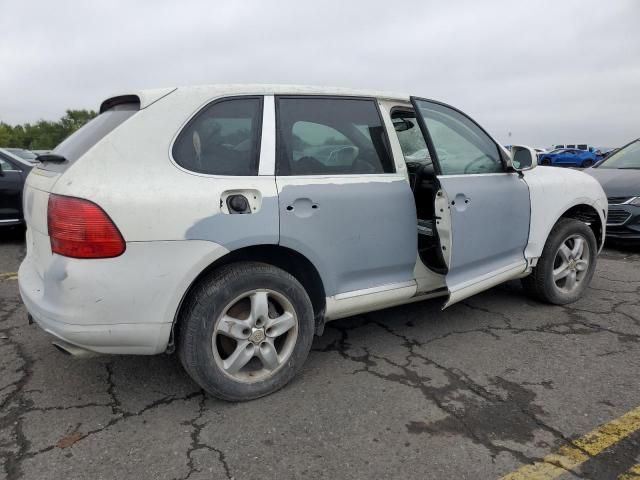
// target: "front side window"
[[331, 136], [222, 139], [462, 147]]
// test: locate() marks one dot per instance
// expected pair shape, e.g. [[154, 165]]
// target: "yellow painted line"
[[632, 474], [570, 457], [9, 276]]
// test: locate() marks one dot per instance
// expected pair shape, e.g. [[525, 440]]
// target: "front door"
[[487, 208], [342, 204]]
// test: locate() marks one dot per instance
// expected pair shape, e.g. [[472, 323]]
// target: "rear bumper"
[[116, 338], [122, 305]]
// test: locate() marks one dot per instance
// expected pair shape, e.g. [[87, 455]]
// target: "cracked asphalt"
[[475, 392]]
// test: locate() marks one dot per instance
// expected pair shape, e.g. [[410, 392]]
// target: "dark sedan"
[[13, 173], [619, 176]]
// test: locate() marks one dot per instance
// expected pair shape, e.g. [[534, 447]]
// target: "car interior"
[[424, 185]]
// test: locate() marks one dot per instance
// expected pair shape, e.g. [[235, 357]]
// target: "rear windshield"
[[79, 142]]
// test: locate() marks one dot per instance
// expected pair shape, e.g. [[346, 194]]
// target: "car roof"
[[147, 97]]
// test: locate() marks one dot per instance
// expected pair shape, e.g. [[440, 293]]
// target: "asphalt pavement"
[[498, 385]]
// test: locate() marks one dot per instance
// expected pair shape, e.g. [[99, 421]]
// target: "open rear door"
[[486, 210]]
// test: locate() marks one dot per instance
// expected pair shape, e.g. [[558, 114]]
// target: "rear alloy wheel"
[[245, 331], [567, 264], [255, 335], [587, 163]]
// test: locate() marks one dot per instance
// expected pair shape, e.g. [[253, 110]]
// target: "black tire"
[[540, 283], [546, 162], [587, 163], [205, 306]]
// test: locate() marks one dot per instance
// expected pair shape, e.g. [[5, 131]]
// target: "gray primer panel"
[[492, 230], [361, 235], [237, 231]]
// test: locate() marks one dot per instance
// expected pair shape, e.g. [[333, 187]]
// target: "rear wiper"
[[50, 157]]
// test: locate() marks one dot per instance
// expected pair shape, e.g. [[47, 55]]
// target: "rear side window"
[[79, 142], [331, 136], [223, 138]]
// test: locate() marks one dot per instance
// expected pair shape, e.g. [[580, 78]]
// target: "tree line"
[[43, 134]]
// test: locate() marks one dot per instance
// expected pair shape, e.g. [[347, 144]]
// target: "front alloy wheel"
[[571, 263], [567, 263]]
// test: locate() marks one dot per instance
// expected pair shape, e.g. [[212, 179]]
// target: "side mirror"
[[523, 158]]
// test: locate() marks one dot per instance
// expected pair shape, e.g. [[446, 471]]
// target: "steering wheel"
[[468, 168], [419, 172], [347, 153], [306, 165]]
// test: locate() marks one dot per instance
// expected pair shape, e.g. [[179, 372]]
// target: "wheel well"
[[282, 257], [588, 215]]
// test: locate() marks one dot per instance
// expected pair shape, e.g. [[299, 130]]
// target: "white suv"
[[230, 223]]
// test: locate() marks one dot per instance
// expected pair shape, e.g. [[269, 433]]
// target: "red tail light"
[[81, 229]]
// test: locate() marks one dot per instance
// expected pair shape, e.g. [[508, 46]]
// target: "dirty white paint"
[[175, 226]]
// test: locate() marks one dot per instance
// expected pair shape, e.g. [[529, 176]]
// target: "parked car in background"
[[13, 173], [229, 223], [577, 146], [24, 154], [619, 175], [569, 157]]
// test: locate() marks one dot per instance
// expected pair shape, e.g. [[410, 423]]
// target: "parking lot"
[[494, 386]]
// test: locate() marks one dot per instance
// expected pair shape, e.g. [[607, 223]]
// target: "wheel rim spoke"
[[578, 247], [280, 325], [259, 307], [234, 328], [570, 282], [582, 265], [565, 252], [240, 357], [561, 272], [268, 355]]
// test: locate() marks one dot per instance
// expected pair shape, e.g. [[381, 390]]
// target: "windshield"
[[627, 157]]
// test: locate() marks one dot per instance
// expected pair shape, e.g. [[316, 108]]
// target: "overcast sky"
[[547, 71]]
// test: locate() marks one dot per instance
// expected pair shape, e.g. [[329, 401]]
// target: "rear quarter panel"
[[130, 174]]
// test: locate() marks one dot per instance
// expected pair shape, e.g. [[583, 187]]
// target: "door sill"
[[360, 301], [484, 282]]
